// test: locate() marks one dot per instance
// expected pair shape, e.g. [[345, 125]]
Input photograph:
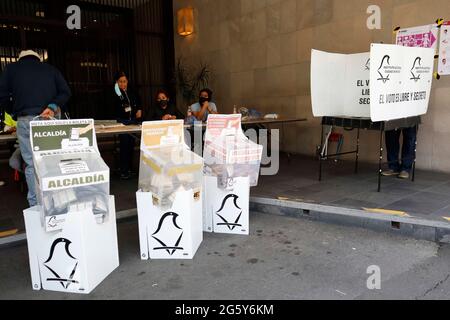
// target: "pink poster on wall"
[[422, 37], [444, 50]]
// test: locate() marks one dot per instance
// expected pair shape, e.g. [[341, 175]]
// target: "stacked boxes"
[[232, 164], [170, 193], [72, 237]]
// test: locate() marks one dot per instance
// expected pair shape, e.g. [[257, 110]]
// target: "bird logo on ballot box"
[[414, 68], [385, 59], [168, 231], [61, 263], [230, 203]]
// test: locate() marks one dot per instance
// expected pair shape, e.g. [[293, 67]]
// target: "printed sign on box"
[[62, 135], [156, 134]]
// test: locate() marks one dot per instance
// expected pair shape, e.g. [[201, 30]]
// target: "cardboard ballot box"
[[72, 237], [76, 258], [169, 199], [232, 164], [69, 169]]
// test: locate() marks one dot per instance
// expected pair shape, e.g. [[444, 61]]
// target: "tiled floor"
[[297, 180], [428, 196]]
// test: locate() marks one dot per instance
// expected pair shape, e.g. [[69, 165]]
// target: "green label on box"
[[62, 135]]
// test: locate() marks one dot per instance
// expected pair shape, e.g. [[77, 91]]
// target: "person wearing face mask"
[[164, 109], [205, 106], [128, 111]]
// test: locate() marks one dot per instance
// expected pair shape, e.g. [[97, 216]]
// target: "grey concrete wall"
[[259, 51]]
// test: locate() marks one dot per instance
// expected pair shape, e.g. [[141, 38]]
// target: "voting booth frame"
[[365, 125], [75, 259]]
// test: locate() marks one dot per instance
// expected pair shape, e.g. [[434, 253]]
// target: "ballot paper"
[[167, 165], [229, 153]]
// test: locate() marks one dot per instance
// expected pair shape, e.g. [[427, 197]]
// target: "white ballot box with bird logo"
[[169, 199], [232, 164], [72, 233]]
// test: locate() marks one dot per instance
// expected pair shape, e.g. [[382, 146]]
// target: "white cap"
[[26, 53]]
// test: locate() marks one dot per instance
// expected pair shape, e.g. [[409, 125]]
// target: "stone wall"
[[259, 52]]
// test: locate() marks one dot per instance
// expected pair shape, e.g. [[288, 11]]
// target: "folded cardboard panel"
[[76, 258]]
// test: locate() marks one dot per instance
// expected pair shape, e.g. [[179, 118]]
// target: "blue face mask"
[[117, 89]]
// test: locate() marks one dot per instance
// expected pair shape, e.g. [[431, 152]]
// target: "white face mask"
[[117, 89]]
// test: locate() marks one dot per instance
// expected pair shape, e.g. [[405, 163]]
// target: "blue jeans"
[[23, 134], [408, 149]]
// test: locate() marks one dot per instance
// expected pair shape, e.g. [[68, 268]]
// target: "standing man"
[[36, 89]]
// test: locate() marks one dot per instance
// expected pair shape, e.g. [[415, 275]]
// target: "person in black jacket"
[[35, 89], [164, 109], [128, 111]]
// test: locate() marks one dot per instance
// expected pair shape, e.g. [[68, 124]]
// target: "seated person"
[[164, 110], [204, 107]]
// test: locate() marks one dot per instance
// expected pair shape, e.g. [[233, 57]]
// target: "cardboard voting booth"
[[391, 82], [72, 233], [232, 164], [170, 193]]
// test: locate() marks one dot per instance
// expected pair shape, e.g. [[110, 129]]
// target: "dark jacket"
[[32, 85], [128, 99], [157, 113]]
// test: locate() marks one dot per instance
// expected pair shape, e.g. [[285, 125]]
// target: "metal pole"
[[381, 158], [357, 151], [415, 156], [320, 154]]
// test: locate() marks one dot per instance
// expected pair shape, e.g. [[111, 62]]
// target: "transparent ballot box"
[[167, 170], [72, 181], [233, 156]]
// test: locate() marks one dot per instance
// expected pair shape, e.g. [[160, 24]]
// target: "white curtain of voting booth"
[[340, 84], [401, 79]]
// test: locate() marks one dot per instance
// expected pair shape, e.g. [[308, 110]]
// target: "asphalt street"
[[283, 258]]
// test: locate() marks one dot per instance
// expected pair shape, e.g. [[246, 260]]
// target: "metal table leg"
[[380, 163], [415, 157], [357, 151], [320, 155]]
